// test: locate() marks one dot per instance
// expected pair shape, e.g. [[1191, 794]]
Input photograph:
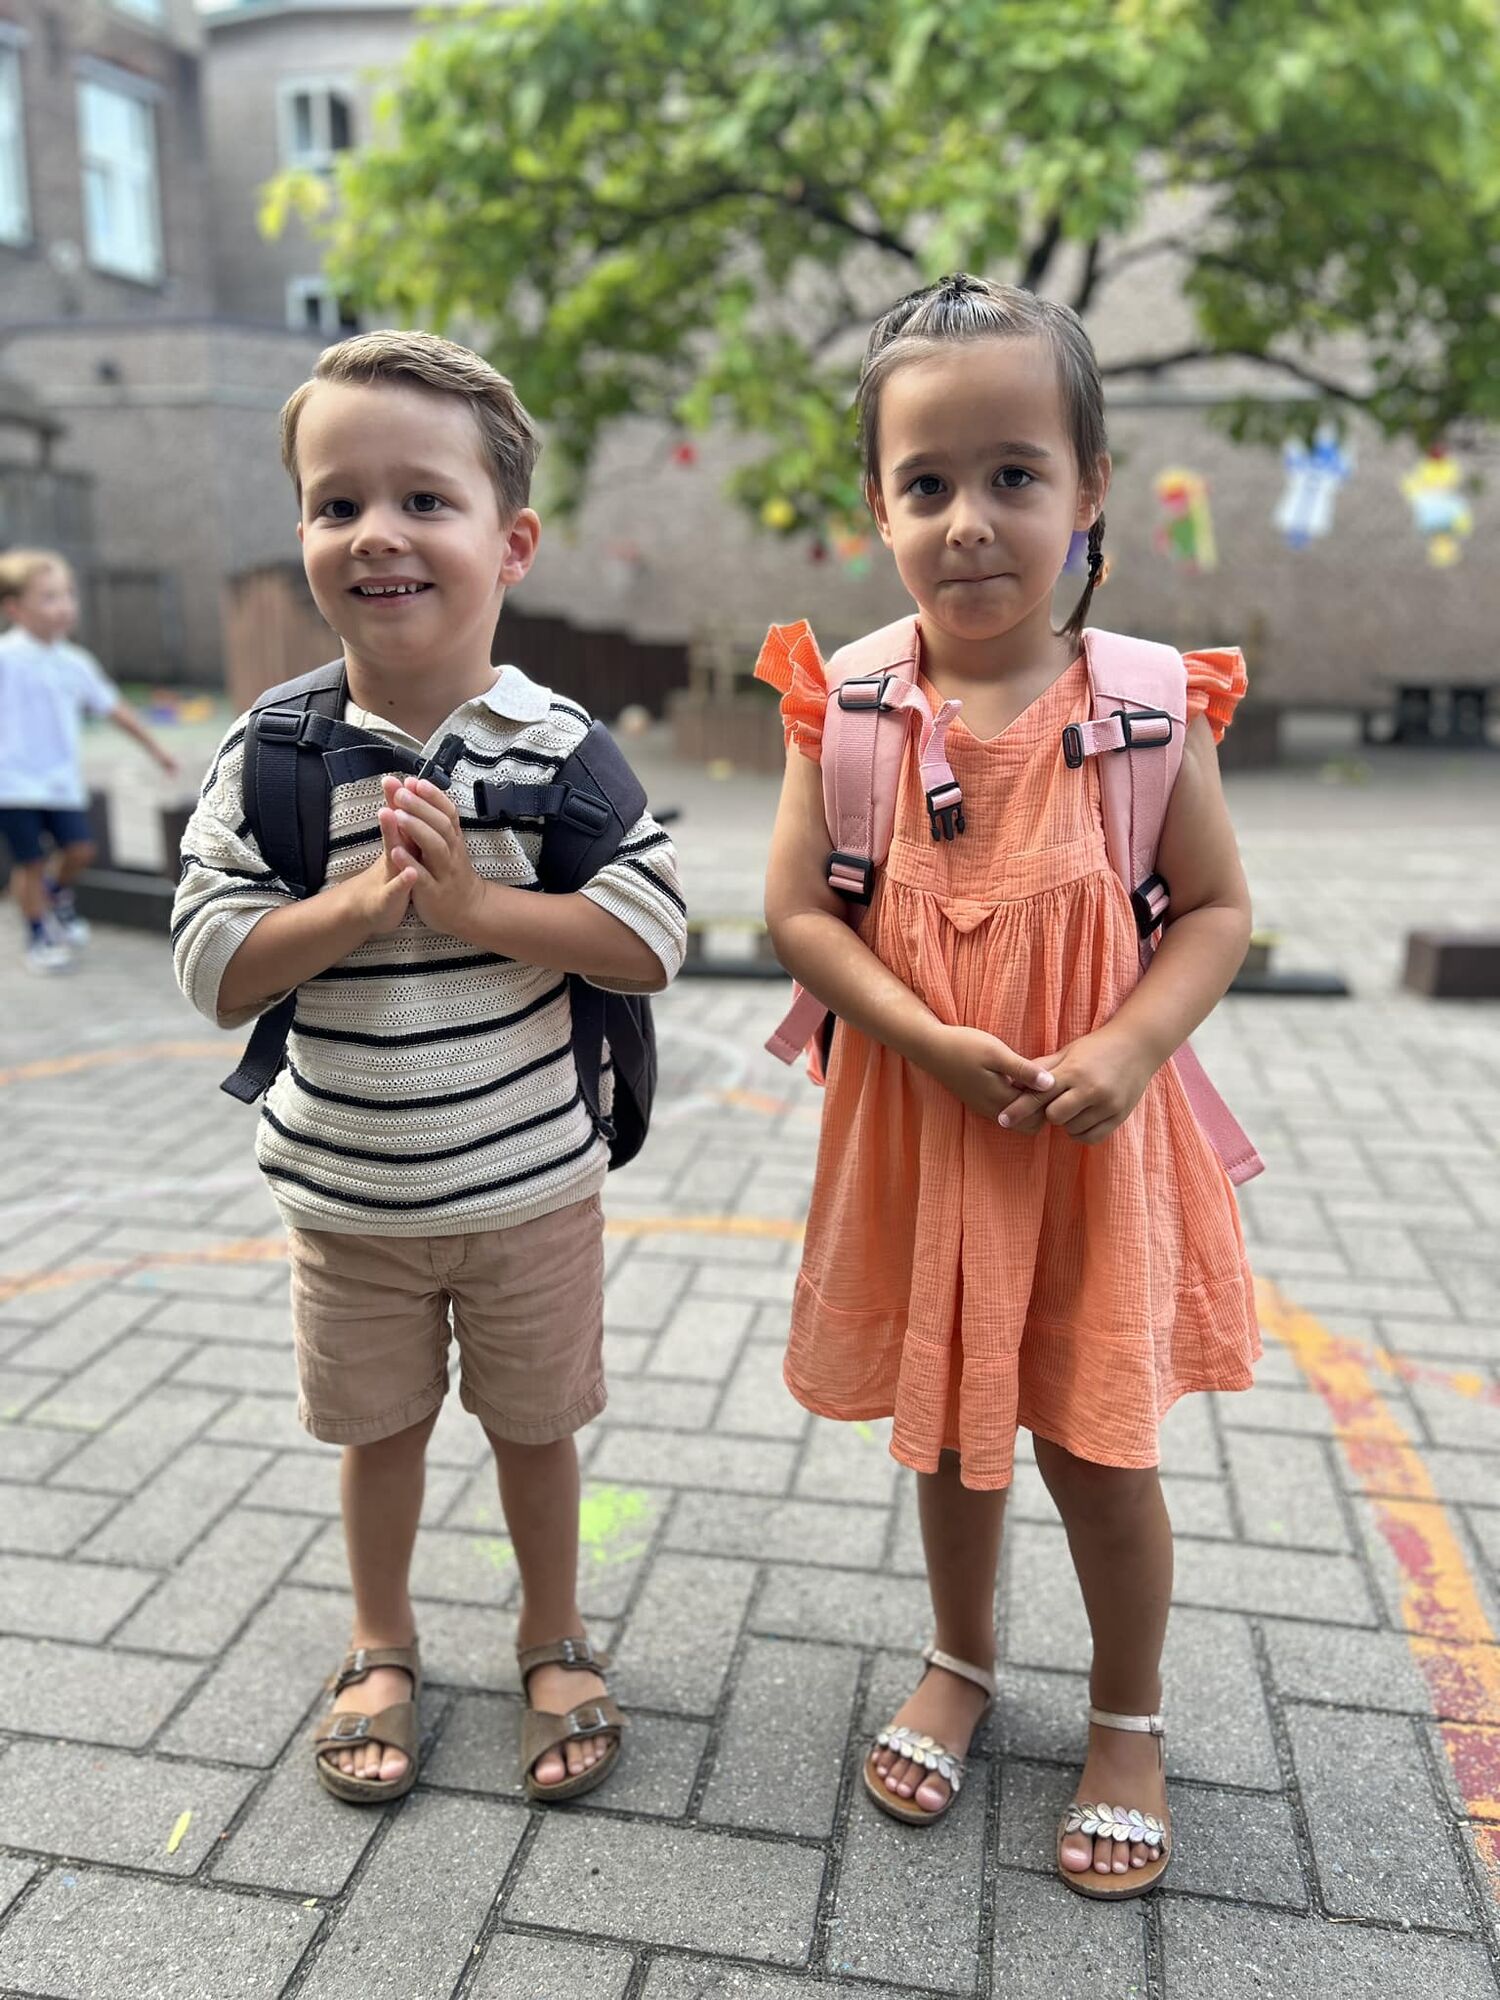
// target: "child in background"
[[1016, 1218], [46, 687]]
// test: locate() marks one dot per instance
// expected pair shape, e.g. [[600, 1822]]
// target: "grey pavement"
[[170, 1578]]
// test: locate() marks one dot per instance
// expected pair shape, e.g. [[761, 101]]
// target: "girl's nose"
[[969, 529]]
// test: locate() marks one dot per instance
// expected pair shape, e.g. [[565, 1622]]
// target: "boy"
[[425, 1139], [46, 687]]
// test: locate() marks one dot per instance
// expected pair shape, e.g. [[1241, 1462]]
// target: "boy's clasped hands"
[[424, 863], [1087, 1089]]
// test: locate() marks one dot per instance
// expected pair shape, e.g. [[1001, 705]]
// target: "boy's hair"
[[960, 307], [427, 361], [20, 567]]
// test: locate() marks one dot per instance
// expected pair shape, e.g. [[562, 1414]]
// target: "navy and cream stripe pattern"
[[429, 1087]]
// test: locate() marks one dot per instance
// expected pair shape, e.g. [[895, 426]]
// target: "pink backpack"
[[1138, 696]]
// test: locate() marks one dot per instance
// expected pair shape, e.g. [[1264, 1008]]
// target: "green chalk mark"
[[605, 1515], [864, 1431]]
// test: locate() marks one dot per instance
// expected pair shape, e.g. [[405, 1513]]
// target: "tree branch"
[[1088, 283], [1040, 255], [1156, 364]]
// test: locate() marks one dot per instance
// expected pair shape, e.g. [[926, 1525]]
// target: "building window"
[[15, 205], [121, 204], [312, 306], [317, 123], [144, 10]]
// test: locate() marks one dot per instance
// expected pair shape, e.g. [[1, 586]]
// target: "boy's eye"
[[425, 503], [926, 486], [1013, 477], [338, 510]]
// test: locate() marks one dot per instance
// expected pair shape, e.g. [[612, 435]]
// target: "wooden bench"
[[1453, 965]]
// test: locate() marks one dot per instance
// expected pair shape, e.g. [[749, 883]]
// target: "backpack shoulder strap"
[[286, 795]]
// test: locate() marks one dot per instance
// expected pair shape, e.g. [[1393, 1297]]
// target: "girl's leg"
[[1121, 1543], [381, 1486], [961, 1540], [539, 1496]]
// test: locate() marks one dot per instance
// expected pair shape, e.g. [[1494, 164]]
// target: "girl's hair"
[[960, 307], [427, 361], [20, 567]]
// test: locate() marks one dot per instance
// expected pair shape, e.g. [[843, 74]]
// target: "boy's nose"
[[378, 531]]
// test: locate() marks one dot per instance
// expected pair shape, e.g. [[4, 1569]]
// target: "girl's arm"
[[1101, 1078], [823, 951]]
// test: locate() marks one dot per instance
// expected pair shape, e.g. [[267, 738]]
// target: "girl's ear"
[[1093, 491], [875, 501]]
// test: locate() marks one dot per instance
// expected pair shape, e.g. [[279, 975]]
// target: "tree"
[[691, 209]]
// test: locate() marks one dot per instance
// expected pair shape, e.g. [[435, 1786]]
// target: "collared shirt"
[[46, 689]]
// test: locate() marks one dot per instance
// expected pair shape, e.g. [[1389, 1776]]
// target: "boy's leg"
[[1121, 1543], [961, 1540], [539, 1494], [28, 884], [69, 862], [381, 1488]]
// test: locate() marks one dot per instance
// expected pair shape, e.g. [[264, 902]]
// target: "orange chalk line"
[[1441, 1609]]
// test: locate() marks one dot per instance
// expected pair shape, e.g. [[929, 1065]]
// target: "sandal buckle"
[[576, 1653], [581, 1726], [349, 1728]]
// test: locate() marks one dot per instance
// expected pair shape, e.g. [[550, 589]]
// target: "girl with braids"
[[1016, 1219]]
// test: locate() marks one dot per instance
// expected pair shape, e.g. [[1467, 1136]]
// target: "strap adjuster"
[[945, 811], [282, 725], [1074, 754], [583, 810], [851, 876], [1130, 722], [1150, 903], [867, 692]]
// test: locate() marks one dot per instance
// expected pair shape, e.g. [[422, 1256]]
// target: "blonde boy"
[[425, 1140]]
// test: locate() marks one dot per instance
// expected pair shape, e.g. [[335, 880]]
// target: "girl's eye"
[[425, 503], [1014, 478], [926, 486], [338, 510]]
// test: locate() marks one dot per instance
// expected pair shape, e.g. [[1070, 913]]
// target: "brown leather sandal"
[[396, 1726], [543, 1730]]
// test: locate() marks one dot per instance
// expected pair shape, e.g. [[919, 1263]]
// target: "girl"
[[1016, 1218]]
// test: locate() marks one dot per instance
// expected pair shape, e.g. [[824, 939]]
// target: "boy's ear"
[[1093, 491], [301, 532], [875, 501], [521, 539]]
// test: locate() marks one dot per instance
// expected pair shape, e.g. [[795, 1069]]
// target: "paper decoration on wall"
[[1314, 474], [1185, 533], [1440, 509], [684, 454], [853, 551]]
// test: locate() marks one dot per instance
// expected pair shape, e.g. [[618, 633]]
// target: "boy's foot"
[[946, 1708], [381, 1688], [555, 1690], [42, 955], [1124, 1769], [67, 925]]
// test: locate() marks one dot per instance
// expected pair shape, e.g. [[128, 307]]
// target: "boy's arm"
[[625, 931], [123, 716]]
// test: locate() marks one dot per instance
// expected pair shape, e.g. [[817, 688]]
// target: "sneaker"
[[43, 955], [69, 928]]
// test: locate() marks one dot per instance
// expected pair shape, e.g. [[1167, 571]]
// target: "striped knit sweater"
[[429, 1088]]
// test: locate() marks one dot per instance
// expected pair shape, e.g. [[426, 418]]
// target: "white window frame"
[[134, 179], [15, 187], [299, 291], [319, 156]]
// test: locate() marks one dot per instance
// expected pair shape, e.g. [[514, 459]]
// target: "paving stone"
[[849, 1462], [480, 1751], [51, 1689], [1379, 1834], [624, 1354], [805, 1603], [147, 1437], [672, 1886], [98, 1393], [900, 1905], [1043, 1952], [757, 1402], [85, 1936], [1299, 1411], [1441, 1340], [762, 1284], [639, 1402], [422, 1901], [741, 1524], [1278, 1582], [1450, 1418], [308, 1483], [783, 1742], [1457, 1476], [44, 1598], [269, 1422], [45, 1521], [455, 1566], [702, 1339], [1376, 1670], [258, 1324], [75, 1339], [214, 1589], [172, 1510], [266, 1682], [733, 1465], [107, 1805], [1285, 1491], [1188, 1440], [1389, 1533], [458, 1437], [295, 1836], [539, 1968], [682, 1632], [14, 1875], [23, 1389], [642, 1294], [30, 1453], [226, 1365], [1218, 1952]]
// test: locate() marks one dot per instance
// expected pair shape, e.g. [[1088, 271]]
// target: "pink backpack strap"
[[1138, 729], [873, 698]]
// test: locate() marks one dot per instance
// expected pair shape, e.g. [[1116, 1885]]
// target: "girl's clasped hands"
[[1087, 1089]]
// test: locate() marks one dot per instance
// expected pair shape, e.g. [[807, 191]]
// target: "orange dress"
[[963, 1279]]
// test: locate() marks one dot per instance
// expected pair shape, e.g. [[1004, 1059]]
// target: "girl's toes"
[[1121, 1859], [1139, 1855], [1077, 1853], [1103, 1857], [932, 1794]]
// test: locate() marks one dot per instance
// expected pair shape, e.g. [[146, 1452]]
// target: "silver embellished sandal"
[[1104, 1822], [925, 1750]]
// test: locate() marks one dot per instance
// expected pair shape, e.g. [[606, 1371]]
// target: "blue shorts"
[[22, 829]]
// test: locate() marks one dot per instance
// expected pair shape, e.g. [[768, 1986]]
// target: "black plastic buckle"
[[1146, 919], [879, 682], [282, 725], [866, 868], [945, 821], [1129, 721], [584, 811], [1073, 751]]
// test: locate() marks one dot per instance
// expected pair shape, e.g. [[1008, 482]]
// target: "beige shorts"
[[371, 1319]]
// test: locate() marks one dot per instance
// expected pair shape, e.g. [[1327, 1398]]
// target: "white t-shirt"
[[45, 691]]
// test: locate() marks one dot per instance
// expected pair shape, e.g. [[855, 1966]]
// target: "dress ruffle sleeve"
[[1216, 683], [791, 663]]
